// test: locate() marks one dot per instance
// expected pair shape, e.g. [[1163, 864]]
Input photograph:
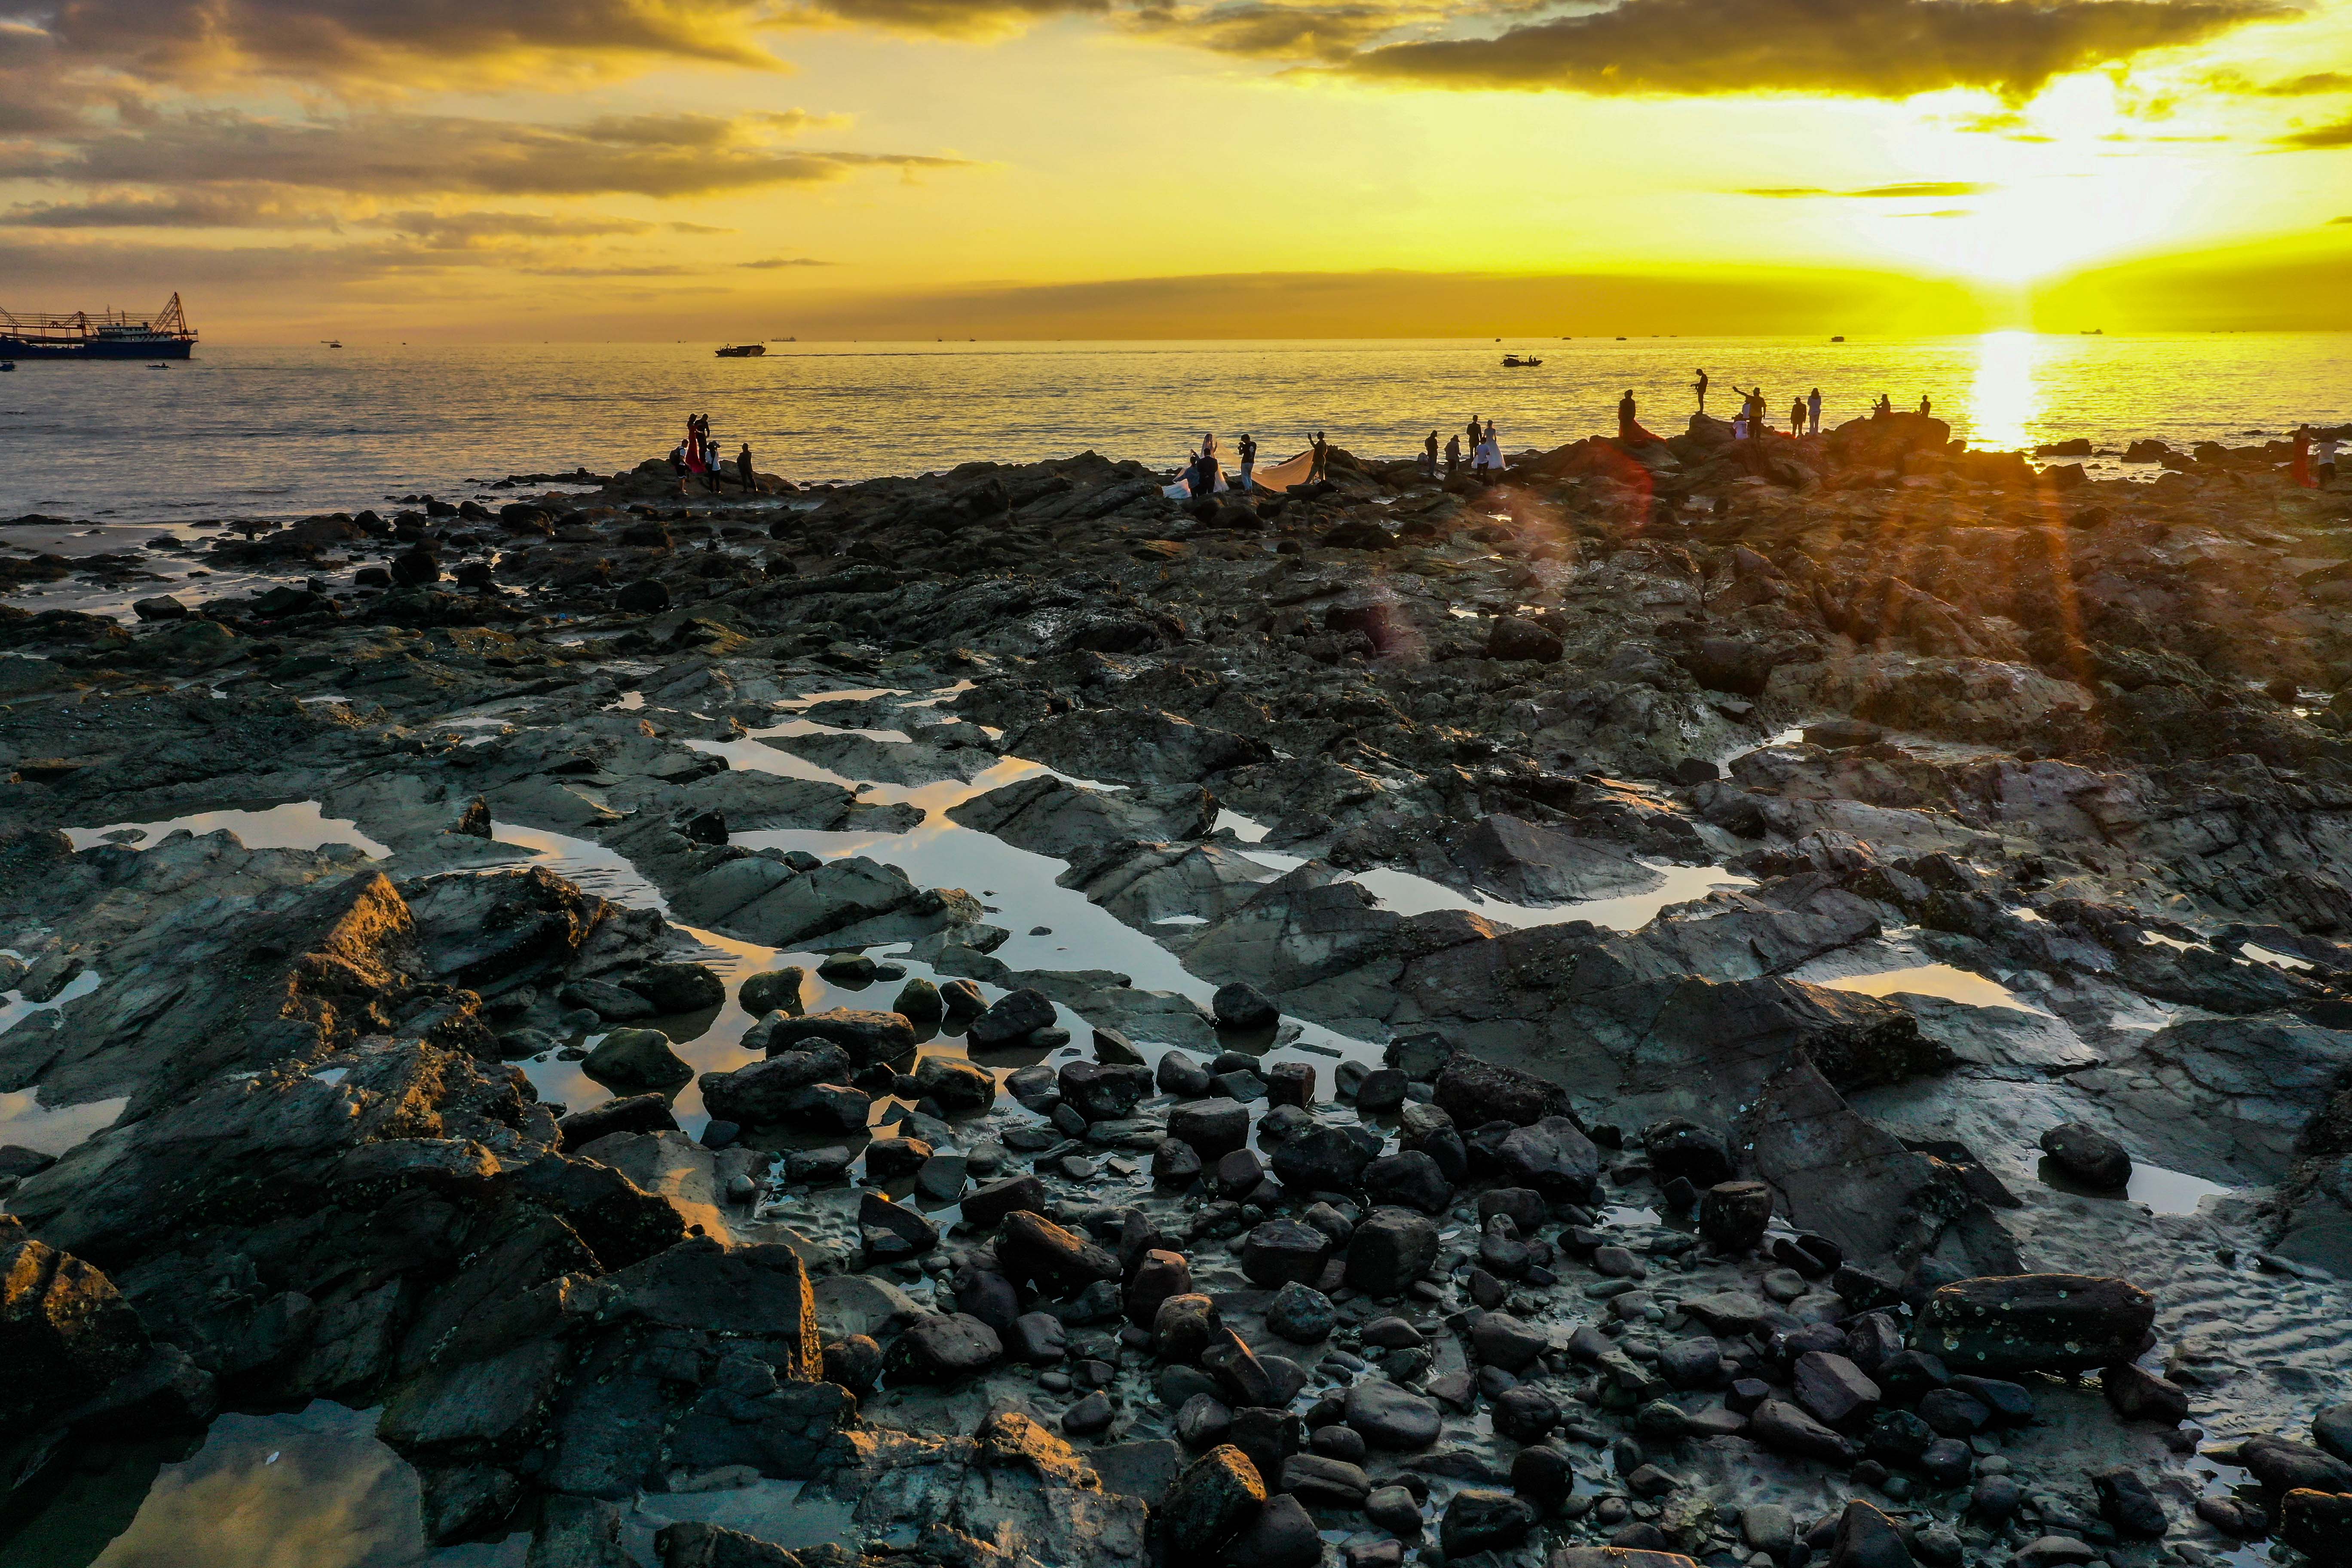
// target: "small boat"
[[742, 350], [2096, 332], [332, 342], [1838, 338], [159, 367], [1514, 362]]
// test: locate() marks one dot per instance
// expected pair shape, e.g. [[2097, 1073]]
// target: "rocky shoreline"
[[1620, 1014]]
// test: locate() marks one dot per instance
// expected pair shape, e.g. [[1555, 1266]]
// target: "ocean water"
[[280, 432]]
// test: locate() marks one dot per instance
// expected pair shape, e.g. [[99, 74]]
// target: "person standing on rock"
[[1429, 456], [1797, 418], [1926, 407], [1626, 422], [677, 467], [1453, 456], [2325, 473], [1472, 436], [1248, 451], [1751, 410], [743, 470], [1699, 386], [1318, 471], [1813, 410], [2299, 470]]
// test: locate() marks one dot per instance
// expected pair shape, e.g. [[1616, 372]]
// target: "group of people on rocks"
[[1485, 453], [699, 455]]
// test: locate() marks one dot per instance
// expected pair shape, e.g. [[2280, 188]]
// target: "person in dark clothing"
[[1471, 433], [744, 468], [1247, 449], [1699, 386], [1453, 456], [1626, 422], [1317, 471], [1429, 456]]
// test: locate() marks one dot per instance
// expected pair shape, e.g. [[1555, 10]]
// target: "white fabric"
[[1182, 489], [1285, 475]]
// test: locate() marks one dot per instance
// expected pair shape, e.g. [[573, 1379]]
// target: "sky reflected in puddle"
[[297, 824], [1953, 984]]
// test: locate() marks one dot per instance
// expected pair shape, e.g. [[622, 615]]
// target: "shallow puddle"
[[312, 1489], [297, 824], [1404, 893], [1942, 980]]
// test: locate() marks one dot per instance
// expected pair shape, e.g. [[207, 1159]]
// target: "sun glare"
[[2002, 400]]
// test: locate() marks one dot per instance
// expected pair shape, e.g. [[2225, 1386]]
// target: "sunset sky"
[[650, 169]]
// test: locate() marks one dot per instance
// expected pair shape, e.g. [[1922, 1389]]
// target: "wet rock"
[[1324, 1158], [1175, 1164], [1524, 1414], [957, 1086], [1290, 1084], [1478, 1519], [1392, 1418], [1683, 1150], [2088, 1155], [2136, 1394], [1321, 1480], [1552, 1156], [1833, 1389], [854, 1361], [632, 1059], [1213, 1127], [1866, 1538], [1497, 1339], [1284, 1251], [1390, 1250], [1034, 1250], [1159, 1275], [1215, 1498], [2126, 1502], [1241, 1006], [66, 1332], [2037, 1322], [1409, 1180], [1733, 1216], [2332, 1430], [1180, 1076], [767, 1093], [946, 1347], [2281, 1466], [1301, 1314], [1203, 1421], [1785, 1428], [1513, 638], [863, 1036], [989, 1204], [1183, 1327], [2317, 1524], [632, 1113], [1100, 1092], [1014, 1019], [1474, 1091], [893, 1233], [679, 987]]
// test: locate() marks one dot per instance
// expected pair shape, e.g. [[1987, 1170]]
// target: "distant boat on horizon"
[[1514, 362], [1838, 338], [742, 350]]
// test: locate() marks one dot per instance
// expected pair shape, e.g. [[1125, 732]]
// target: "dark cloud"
[[2321, 138], [951, 18], [1911, 190], [1865, 49], [1330, 33], [185, 40], [464, 229], [775, 262], [403, 154], [2307, 86], [230, 208]]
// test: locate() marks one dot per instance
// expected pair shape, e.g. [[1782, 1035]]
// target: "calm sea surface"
[[274, 432]]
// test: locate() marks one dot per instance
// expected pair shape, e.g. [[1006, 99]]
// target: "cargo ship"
[[98, 335]]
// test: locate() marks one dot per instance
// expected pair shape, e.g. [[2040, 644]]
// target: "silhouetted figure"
[[1626, 422], [1813, 409], [1926, 407], [1886, 407], [744, 468], [1699, 386], [1429, 456], [1453, 456], [1248, 451], [1797, 418], [1319, 468]]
